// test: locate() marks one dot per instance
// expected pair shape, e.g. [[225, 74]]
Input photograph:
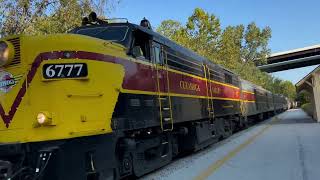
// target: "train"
[[112, 100]]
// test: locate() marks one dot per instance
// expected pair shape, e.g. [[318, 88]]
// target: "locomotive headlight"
[[44, 119], [41, 118], [6, 52]]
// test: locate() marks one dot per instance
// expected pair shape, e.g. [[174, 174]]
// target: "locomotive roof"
[[176, 47], [167, 42]]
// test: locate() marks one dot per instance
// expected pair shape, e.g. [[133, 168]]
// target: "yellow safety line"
[[174, 94], [216, 165]]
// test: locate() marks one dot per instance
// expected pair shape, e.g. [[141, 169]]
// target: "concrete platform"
[[286, 147]]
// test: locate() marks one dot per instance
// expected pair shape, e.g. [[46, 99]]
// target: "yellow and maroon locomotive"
[[112, 100]]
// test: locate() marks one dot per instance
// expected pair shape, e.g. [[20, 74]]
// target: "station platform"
[[285, 147]]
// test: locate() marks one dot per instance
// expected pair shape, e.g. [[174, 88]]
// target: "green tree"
[[288, 89], [170, 28], [277, 85], [47, 16], [230, 45], [200, 33], [303, 97], [203, 29], [256, 44]]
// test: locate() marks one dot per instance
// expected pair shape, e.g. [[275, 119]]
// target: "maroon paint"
[[248, 96]]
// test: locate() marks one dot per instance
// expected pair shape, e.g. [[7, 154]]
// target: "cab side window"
[[157, 53], [228, 78], [141, 46]]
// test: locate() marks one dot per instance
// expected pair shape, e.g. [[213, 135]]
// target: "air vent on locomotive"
[[16, 57]]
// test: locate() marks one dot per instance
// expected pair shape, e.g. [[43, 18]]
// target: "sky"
[[294, 23]]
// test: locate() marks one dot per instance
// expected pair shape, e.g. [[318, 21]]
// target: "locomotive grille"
[[16, 58]]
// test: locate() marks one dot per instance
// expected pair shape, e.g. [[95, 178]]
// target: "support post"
[[316, 95]]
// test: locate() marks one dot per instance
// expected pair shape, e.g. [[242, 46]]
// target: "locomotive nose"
[[11, 73]]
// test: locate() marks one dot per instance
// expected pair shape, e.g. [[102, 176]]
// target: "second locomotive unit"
[[114, 100]]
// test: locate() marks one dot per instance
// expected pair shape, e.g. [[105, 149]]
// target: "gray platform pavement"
[[285, 147]]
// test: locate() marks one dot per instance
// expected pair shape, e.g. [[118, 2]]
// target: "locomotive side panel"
[[139, 100], [248, 106], [277, 102], [261, 100], [270, 102], [224, 89], [137, 111]]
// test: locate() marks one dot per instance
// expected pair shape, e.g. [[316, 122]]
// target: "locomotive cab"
[[136, 39]]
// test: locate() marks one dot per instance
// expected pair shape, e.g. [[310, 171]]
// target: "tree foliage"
[[256, 43], [288, 89], [303, 97], [47, 16], [239, 48]]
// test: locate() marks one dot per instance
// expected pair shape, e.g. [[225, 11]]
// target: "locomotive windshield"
[[111, 33]]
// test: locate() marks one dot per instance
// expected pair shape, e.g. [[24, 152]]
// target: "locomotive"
[[111, 100]]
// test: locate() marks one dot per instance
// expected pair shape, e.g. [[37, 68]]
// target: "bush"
[[308, 108]]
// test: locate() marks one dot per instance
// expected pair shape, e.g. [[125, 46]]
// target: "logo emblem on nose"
[[8, 81]]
